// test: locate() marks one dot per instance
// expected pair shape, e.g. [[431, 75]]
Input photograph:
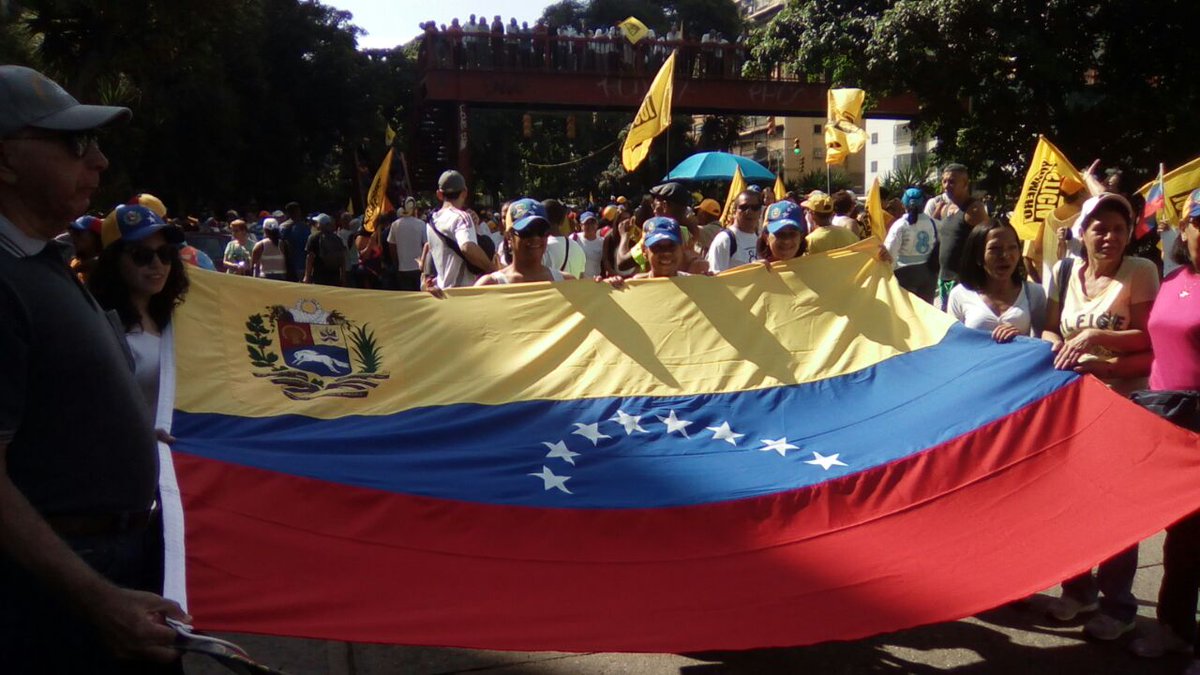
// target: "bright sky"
[[394, 22]]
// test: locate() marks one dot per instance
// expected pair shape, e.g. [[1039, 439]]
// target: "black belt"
[[99, 524]]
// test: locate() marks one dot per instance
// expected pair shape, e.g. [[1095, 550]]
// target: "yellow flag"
[[389, 135], [1177, 185], [350, 206], [653, 118], [633, 29], [735, 188], [780, 189], [875, 213], [377, 199], [844, 134], [1040, 194]]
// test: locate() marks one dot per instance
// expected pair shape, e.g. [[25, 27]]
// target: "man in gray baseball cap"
[[80, 569]]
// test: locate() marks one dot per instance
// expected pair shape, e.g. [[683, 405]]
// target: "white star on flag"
[[675, 424], [781, 446], [630, 422], [724, 433], [590, 432], [549, 480], [560, 451], [826, 462]]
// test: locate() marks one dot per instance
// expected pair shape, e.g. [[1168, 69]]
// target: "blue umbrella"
[[718, 166]]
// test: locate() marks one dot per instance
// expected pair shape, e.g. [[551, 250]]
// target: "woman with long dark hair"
[[993, 294], [140, 276]]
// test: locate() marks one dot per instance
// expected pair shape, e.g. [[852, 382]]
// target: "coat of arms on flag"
[[323, 353]]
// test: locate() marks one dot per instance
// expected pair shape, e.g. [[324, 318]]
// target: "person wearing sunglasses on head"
[[80, 581], [525, 246], [738, 244]]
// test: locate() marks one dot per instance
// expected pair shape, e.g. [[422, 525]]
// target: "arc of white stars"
[[551, 481], [559, 450], [826, 462], [631, 423], [675, 424], [781, 446], [724, 433], [590, 432]]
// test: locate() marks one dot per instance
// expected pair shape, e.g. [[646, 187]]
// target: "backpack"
[[732, 241], [331, 250]]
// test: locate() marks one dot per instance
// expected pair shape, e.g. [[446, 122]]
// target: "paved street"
[[1013, 639]]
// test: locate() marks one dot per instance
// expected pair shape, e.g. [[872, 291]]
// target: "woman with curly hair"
[[140, 276]]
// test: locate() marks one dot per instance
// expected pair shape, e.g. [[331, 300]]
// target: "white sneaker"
[[1105, 627], [1067, 608], [1159, 640]]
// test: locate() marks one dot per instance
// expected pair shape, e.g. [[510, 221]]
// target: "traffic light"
[[796, 146], [527, 125], [571, 127]]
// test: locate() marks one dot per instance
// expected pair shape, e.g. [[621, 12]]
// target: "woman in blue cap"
[[912, 244], [784, 238], [140, 276], [525, 245], [662, 242]]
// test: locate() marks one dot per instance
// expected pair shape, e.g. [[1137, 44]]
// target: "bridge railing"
[[586, 55]]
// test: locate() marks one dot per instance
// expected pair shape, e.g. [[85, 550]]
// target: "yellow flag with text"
[[736, 187], [844, 134], [633, 30], [653, 118], [1040, 194], [1177, 185], [877, 217], [377, 199]]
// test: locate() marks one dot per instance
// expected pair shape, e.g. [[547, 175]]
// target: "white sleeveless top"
[[270, 262]]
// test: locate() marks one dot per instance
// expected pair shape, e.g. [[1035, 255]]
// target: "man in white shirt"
[[592, 245], [738, 245], [406, 237], [561, 253], [452, 239]]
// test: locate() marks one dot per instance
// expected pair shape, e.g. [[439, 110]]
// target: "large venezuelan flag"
[[762, 458]]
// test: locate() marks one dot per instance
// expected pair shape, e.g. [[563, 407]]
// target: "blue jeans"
[[1113, 584]]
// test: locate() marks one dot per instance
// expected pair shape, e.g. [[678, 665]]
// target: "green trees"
[[236, 102], [1107, 79]]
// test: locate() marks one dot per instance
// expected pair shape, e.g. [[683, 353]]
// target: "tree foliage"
[[1105, 79], [236, 102]]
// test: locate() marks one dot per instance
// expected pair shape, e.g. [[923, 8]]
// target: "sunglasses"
[[143, 257], [533, 232], [77, 142], [749, 207]]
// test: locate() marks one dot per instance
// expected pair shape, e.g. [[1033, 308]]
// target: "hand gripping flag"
[[1177, 184], [844, 134], [757, 459], [1040, 193], [377, 199], [653, 117]]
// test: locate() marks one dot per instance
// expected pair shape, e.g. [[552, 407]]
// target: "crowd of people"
[[478, 44], [79, 570]]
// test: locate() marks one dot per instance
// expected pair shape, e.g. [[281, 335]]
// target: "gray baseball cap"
[[30, 99], [451, 181]]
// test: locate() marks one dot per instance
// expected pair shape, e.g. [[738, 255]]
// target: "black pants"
[[1181, 578], [41, 634]]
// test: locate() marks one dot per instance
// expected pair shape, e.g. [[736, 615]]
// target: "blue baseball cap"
[[586, 216], [912, 194], [784, 214], [661, 229], [322, 219], [87, 224], [134, 222], [527, 212]]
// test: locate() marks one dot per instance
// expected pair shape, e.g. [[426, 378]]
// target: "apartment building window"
[[817, 130], [874, 140], [874, 166]]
